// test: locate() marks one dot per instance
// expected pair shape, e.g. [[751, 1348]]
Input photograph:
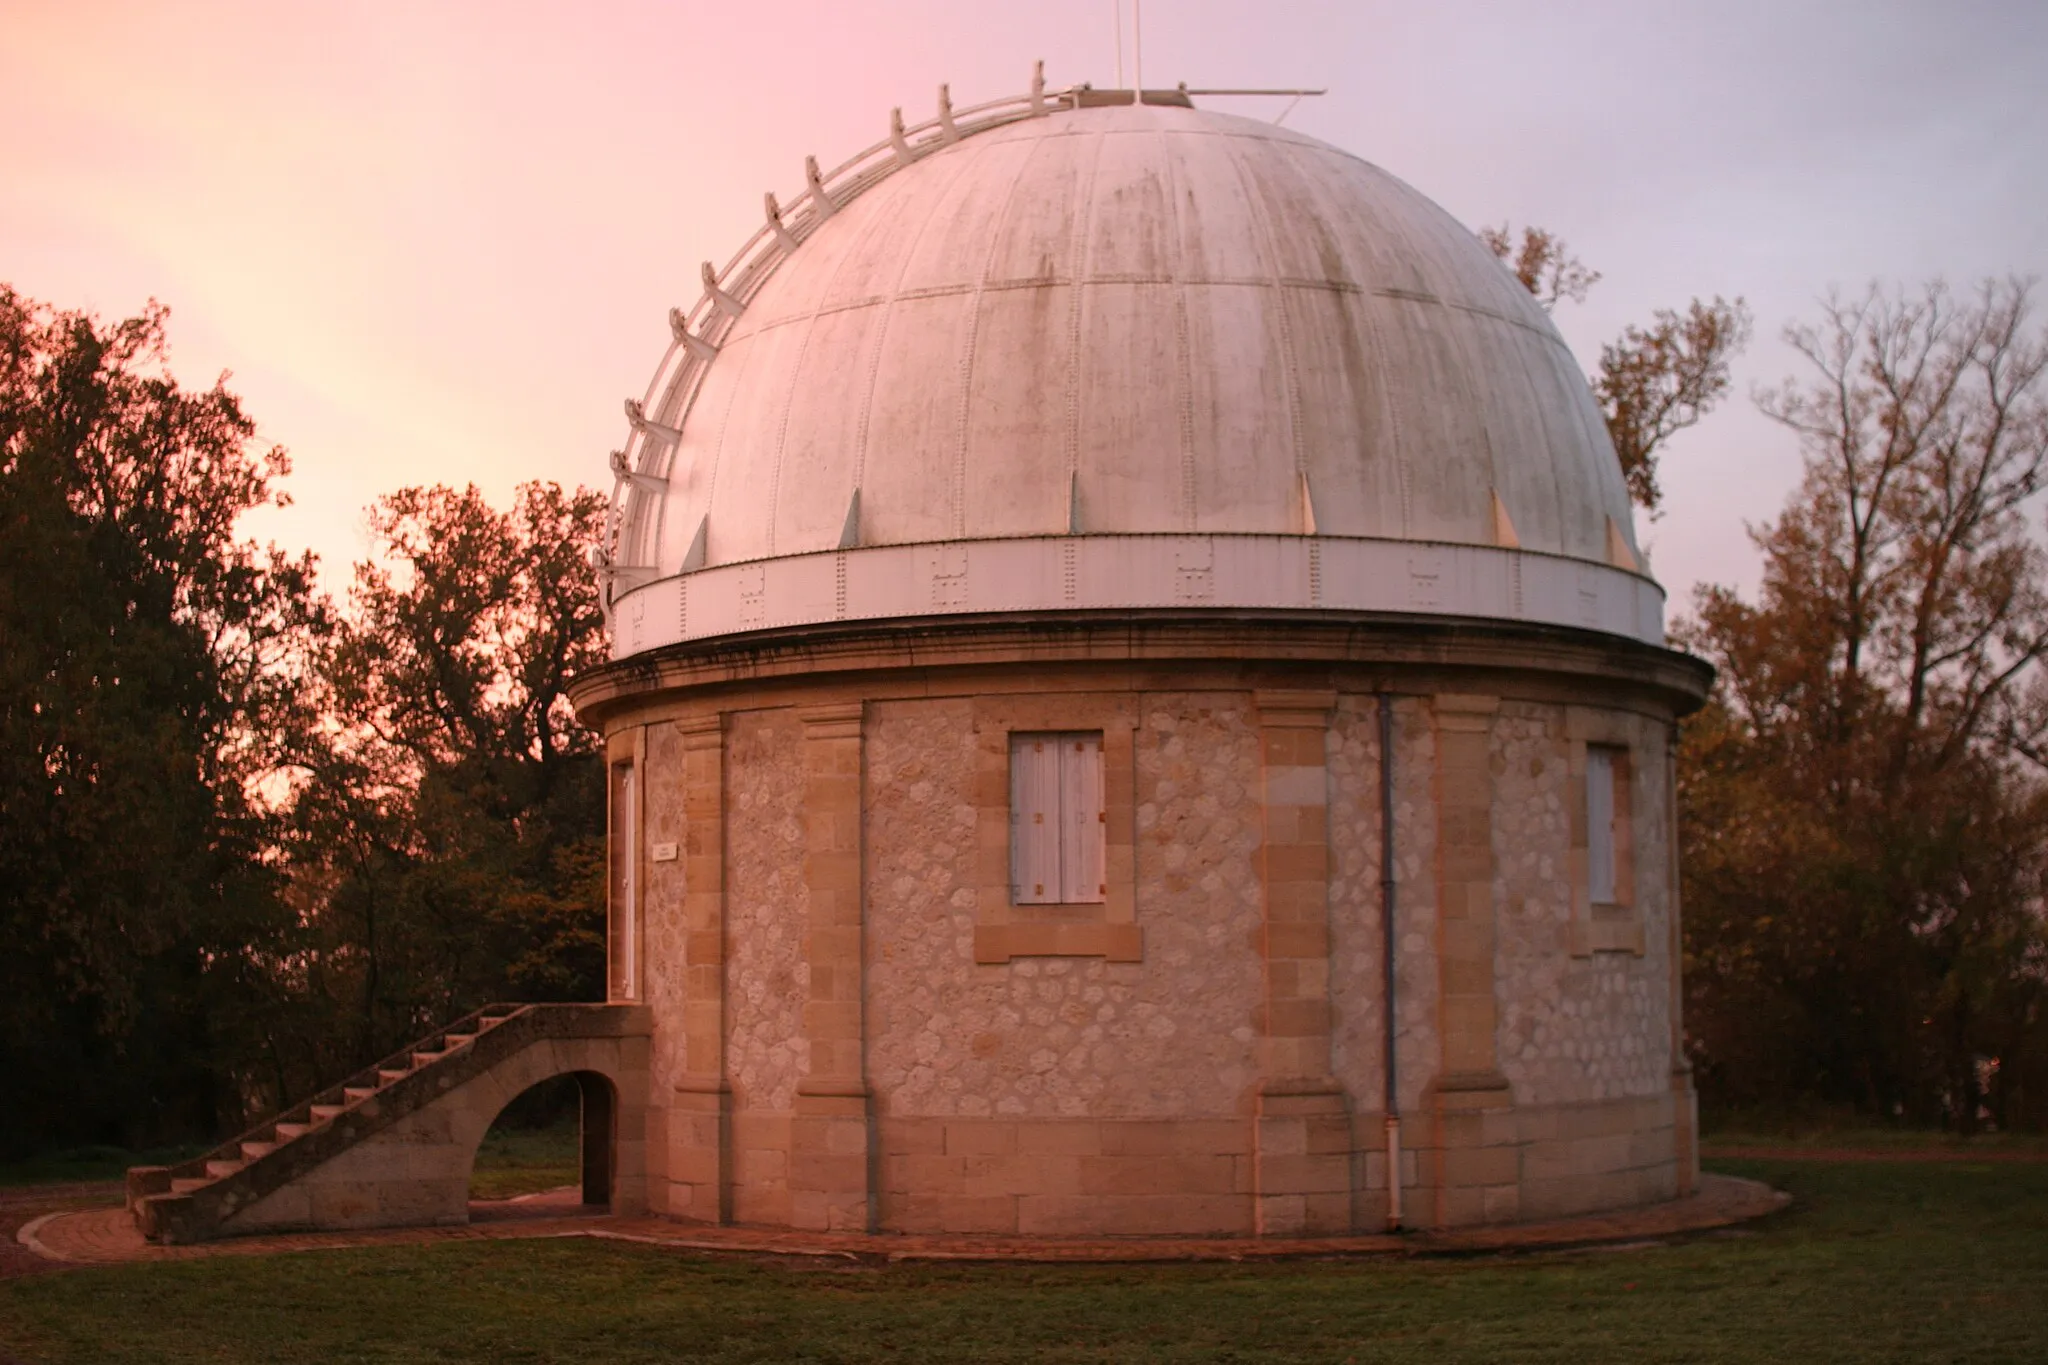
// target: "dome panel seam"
[[1002, 216], [1262, 213], [1077, 259], [1184, 352]]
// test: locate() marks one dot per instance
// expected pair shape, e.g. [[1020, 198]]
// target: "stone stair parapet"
[[190, 1201]]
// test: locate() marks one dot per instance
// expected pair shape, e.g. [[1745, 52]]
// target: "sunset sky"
[[437, 242]]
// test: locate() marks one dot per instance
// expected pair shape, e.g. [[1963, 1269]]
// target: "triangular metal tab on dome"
[[1618, 552], [849, 532], [1074, 503], [1504, 525], [694, 560], [1308, 506]]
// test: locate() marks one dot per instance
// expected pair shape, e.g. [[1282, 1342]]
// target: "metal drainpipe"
[[1387, 947]]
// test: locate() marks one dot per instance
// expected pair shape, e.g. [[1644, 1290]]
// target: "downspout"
[[1387, 946]]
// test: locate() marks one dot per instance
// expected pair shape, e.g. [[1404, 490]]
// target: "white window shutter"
[[1034, 819], [1082, 824], [1600, 826]]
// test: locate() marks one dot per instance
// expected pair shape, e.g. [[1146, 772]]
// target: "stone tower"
[[1136, 708]]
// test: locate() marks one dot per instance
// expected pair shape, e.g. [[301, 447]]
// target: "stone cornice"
[[1311, 647]]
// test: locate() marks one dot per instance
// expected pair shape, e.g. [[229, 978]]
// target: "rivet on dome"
[[623, 472], [820, 200], [726, 303], [679, 328], [782, 232], [948, 130], [897, 139], [645, 425]]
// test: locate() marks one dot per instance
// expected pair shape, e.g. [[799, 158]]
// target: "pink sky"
[[437, 242]]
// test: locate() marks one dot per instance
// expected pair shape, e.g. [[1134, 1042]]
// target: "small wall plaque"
[[664, 853]]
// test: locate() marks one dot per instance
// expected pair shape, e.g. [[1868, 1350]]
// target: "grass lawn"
[[514, 1161], [1876, 1262], [511, 1161], [88, 1163], [1860, 1138]]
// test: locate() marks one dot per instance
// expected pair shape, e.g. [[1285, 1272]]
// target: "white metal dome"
[[1116, 356]]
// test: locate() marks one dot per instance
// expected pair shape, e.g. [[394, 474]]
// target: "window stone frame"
[[1004, 931], [1615, 927]]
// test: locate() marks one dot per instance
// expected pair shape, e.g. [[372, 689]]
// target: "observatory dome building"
[[1136, 708]]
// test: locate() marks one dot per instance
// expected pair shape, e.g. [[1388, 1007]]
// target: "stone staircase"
[[420, 1112]]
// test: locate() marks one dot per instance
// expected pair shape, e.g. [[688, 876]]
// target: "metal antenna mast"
[[1138, 44], [1117, 7]]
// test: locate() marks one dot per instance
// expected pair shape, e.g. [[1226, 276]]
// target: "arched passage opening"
[[554, 1143]]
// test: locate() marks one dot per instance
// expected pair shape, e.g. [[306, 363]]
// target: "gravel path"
[[20, 1204]]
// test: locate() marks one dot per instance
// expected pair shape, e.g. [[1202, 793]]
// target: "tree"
[[452, 829], [1542, 263], [1653, 382], [146, 696], [248, 843], [1866, 828]]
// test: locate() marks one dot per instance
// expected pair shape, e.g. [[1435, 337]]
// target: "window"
[[1058, 819], [1605, 774], [1601, 843]]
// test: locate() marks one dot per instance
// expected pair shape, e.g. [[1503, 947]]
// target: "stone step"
[[385, 1077], [252, 1150], [187, 1184], [217, 1169], [456, 1040], [420, 1059], [323, 1112], [354, 1093], [287, 1131]]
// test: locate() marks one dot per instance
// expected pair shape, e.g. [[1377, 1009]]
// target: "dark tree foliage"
[[148, 685], [451, 831], [1542, 263], [1653, 382], [248, 842], [1866, 824]]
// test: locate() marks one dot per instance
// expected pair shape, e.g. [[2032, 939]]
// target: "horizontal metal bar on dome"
[[1217, 572]]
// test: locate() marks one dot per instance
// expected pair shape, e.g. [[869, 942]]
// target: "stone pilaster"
[[1474, 1157], [1302, 1163], [700, 1165], [1685, 1104], [830, 1181]]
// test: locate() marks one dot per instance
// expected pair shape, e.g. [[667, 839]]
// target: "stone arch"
[[609, 1074], [597, 1132]]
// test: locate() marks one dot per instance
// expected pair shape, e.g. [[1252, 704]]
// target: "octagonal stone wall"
[[855, 1029]]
